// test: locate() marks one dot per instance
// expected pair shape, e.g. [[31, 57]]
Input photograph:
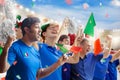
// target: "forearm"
[[3, 60], [117, 54], [46, 71], [108, 46]]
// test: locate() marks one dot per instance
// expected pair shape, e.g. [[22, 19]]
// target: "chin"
[[54, 36]]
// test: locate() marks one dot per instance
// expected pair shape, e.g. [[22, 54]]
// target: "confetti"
[[102, 61], [33, 4], [69, 2], [46, 66], [100, 4], [85, 6], [1, 49], [2, 2], [18, 76], [15, 62], [33, 0], [106, 15], [65, 69]]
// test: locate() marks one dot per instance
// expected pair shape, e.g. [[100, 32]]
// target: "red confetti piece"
[[14, 29], [2, 78], [2, 2], [17, 6], [15, 62], [69, 2], [107, 15], [85, 6]]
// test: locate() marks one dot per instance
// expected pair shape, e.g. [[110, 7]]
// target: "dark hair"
[[28, 22], [62, 37], [44, 28], [83, 41]]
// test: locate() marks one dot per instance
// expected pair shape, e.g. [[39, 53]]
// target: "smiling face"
[[51, 31], [34, 32], [66, 41], [85, 45]]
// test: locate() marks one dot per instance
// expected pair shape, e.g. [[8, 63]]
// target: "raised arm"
[[3, 58], [79, 37], [116, 55], [107, 46], [62, 28]]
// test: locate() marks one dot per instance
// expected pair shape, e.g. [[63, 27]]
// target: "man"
[[84, 69], [23, 59]]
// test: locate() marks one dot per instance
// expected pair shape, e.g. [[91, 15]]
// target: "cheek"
[[57, 28]]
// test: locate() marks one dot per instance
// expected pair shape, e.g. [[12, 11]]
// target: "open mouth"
[[54, 32]]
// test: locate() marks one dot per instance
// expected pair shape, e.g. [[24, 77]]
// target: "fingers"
[[10, 39]]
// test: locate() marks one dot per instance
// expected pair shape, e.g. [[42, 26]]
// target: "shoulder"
[[16, 43]]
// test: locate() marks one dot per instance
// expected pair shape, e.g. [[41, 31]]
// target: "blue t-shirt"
[[24, 61], [112, 72], [50, 55], [101, 68], [84, 69], [66, 70]]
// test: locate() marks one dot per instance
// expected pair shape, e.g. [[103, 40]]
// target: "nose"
[[39, 31]]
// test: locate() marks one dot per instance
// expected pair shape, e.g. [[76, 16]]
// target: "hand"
[[10, 39], [106, 50], [109, 37], [62, 60], [1, 44]]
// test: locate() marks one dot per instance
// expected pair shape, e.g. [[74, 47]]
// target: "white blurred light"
[[21, 7], [115, 42], [33, 0], [1, 13], [32, 12], [27, 9], [15, 4], [100, 4]]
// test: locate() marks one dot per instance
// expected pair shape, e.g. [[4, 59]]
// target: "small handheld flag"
[[89, 29]]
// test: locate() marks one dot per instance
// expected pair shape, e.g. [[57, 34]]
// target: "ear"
[[44, 34], [27, 30]]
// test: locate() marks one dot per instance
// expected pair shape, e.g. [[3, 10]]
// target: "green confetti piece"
[[46, 66], [33, 4], [102, 60], [1, 49], [18, 17], [18, 76]]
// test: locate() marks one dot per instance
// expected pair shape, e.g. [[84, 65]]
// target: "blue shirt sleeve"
[[110, 57], [116, 62], [11, 55], [99, 56]]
